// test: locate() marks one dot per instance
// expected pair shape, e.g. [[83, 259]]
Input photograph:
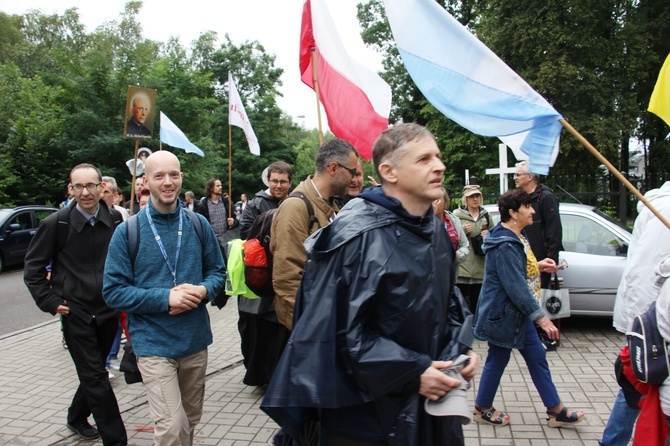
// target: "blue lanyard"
[[157, 237]]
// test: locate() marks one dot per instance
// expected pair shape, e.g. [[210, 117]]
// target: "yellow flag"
[[659, 104]]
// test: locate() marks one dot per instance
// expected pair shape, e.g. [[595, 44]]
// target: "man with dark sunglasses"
[[336, 162]]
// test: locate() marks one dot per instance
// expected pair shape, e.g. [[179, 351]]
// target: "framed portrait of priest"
[[140, 106]]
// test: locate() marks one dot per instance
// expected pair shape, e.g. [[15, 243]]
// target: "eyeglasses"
[[279, 182], [89, 187], [519, 175], [348, 169]]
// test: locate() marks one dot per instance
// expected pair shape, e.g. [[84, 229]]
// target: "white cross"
[[502, 169]]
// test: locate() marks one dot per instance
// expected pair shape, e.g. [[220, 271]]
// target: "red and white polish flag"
[[356, 100]]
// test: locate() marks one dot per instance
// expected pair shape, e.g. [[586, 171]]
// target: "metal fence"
[[602, 191]]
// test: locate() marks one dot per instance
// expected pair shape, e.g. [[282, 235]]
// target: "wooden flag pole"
[[230, 168], [614, 171], [132, 185], [318, 97]]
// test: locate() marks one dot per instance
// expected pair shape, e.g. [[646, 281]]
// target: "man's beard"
[[340, 187], [168, 203]]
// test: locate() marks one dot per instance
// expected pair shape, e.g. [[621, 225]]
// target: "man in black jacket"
[[262, 336], [375, 321], [546, 234], [74, 241], [278, 180]]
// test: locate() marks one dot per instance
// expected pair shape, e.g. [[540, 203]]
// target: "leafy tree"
[[306, 149], [460, 149], [653, 21], [30, 119], [588, 58], [64, 96], [258, 82], [10, 36]]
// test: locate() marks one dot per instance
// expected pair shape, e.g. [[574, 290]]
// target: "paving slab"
[[37, 381]]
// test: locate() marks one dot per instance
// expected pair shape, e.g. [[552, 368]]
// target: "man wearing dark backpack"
[[164, 291], [262, 336], [336, 162], [75, 241], [279, 177]]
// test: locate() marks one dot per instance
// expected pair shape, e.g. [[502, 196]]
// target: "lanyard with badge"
[[157, 237]]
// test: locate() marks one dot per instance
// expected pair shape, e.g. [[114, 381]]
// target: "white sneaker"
[[110, 374]]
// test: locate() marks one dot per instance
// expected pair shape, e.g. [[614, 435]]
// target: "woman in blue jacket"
[[508, 310]]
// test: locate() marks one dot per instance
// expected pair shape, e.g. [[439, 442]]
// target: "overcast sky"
[[274, 23]]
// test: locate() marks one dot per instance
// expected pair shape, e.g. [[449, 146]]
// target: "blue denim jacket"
[[505, 301]]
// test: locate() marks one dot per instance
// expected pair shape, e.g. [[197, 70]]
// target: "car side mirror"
[[13, 227], [622, 250]]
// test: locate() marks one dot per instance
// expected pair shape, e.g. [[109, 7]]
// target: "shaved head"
[[160, 158], [163, 177]]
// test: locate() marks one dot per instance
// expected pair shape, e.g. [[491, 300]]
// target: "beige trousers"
[[176, 392]]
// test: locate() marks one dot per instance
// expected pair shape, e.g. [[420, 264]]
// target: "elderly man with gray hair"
[[111, 192], [190, 202], [546, 233]]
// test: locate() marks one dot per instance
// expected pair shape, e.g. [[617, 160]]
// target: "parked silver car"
[[595, 249]]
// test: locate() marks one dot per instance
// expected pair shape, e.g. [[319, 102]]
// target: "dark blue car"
[[17, 228]]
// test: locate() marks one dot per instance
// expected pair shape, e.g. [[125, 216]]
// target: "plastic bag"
[[254, 253], [236, 284]]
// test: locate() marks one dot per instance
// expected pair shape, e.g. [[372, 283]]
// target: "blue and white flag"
[[469, 84], [174, 137]]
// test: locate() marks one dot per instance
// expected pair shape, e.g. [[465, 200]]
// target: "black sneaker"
[[84, 430]]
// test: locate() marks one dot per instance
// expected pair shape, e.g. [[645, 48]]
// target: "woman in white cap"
[[476, 222]]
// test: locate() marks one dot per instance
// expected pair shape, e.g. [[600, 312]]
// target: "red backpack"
[[257, 255]]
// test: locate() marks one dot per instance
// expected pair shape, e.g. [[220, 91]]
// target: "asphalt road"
[[18, 307]]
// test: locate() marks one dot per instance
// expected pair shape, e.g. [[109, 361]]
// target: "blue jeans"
[[116, 346], [619, 429], [535, 357]]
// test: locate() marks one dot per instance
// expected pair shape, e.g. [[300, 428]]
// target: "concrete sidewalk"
[[37, 381]]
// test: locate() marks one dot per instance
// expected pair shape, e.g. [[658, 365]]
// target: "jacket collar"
[[78, 221], [155, 213], [377, 196], [327, 207]]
